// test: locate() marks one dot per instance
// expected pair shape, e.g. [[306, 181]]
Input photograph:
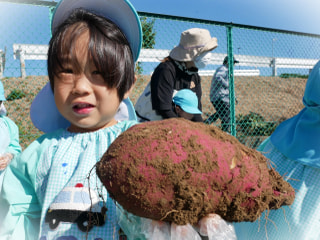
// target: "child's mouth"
[[82, 108]]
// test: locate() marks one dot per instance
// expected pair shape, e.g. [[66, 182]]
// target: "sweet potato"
[[179, 171]]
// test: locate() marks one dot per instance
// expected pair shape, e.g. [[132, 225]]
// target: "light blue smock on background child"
[[9, 137], [294, 149]]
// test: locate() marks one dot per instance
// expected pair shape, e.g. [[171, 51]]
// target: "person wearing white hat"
[[9, 137], [50, 191], [178, 71]]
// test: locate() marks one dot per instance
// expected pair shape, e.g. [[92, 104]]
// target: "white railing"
[[39, 52], [237, 72]]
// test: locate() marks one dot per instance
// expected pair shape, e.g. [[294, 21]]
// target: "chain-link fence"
[[265, 87]]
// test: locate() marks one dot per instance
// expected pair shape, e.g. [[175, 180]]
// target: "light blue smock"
[[47, 186], [294, 148], [301, 220], [9, 140], [7, 126]]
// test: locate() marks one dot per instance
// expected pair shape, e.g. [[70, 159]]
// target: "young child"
[[9, 137], [51, 190], [185, 104], [294, 149]]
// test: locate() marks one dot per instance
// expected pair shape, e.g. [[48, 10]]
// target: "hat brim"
[[44, 113], [51, 120], [121, 12], [185, 55], [191, 110]]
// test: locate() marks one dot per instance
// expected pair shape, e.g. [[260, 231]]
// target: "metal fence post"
[[2, 60], [20, 55], [51, 11], [274, 67], [231, 81]]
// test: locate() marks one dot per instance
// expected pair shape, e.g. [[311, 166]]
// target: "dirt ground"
[[276, 99]]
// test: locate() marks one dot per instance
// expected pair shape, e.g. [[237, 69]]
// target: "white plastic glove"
[[211, 226], [158, 230], [155, 230], [5, 159], [184, 232], [215, 228]]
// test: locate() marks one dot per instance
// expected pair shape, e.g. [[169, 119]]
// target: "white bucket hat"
[[43, 112], [193, 42]]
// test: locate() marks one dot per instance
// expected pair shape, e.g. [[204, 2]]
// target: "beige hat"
[[193, 42]]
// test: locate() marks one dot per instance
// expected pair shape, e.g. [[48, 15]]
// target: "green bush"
[[253, 124], [15, 94], [293, 75]]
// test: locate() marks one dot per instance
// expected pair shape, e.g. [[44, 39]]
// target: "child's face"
[[183, 114], [83, 98]]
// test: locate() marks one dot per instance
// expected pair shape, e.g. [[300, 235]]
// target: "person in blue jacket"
[[219, 95], [294, 151], [9, 136]]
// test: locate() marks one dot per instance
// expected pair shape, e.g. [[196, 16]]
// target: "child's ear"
[[127, 94]]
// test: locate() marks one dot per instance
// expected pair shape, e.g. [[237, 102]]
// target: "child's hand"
[[158, 230], [5, 159], [214, 227], [184, 232]]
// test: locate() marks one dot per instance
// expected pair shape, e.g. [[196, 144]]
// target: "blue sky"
[[293, 15]]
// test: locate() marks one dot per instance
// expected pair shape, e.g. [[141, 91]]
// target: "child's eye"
[[96, 72]]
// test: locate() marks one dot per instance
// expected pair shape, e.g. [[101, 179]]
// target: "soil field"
[[274, 98]]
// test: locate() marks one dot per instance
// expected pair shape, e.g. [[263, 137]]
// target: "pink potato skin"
[[179, 171]]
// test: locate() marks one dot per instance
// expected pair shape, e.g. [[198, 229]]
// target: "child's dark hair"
[[107, 46]]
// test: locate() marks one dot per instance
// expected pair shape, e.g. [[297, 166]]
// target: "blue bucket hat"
[[187, 101], [2, 97], [43, 112]]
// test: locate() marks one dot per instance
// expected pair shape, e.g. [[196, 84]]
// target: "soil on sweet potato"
[[179, 171]]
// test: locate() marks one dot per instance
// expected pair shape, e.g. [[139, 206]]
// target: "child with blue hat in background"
[[186, 104], [9, 136]]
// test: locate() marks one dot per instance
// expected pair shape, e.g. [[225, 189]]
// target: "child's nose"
[[81, 85]]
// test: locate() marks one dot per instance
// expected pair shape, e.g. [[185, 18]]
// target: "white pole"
[[1, 64], [20, 54], [274, 67]]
